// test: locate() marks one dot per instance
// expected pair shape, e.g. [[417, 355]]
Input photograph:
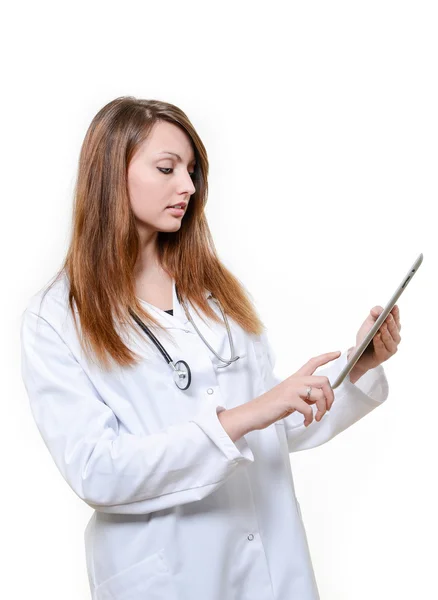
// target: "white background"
[[321, 124]]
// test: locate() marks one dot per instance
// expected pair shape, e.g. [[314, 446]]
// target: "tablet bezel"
[[366, 341]]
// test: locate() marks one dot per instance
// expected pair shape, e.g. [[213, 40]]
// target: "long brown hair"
[[105, 244]]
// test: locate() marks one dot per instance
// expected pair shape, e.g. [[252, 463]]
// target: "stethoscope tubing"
[[151, 335], [182, 374]]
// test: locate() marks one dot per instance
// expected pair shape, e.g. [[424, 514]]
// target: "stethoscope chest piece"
[[182, 375]]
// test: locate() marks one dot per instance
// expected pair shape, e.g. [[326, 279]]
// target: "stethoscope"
[[182, 375]]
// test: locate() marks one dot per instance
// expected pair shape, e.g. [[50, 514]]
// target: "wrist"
[[356, 372], [234, 422], [350, 352], [354, 376]]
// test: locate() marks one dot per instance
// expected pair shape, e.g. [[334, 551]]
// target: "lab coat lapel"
[[178, 320], [214, 333], [179, 316]]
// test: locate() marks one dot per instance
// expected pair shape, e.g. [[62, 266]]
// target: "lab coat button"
[[250, 537], [210, 391]]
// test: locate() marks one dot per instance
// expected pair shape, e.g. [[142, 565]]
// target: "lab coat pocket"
[[149, 578]]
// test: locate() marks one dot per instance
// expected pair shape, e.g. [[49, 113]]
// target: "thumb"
[[376, 311]]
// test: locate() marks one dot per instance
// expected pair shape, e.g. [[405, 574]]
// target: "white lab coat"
[[180, 511]]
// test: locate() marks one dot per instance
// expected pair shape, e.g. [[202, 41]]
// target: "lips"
[[179, 204]]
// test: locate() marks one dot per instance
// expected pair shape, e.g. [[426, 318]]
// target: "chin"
[[150, 228], [171, 226]]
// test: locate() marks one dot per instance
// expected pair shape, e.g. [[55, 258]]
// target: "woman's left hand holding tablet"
[[383, 345]]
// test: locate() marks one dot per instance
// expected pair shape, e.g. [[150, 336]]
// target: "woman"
[[184, 457]]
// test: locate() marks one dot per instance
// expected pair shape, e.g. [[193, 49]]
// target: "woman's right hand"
[[291, 395]]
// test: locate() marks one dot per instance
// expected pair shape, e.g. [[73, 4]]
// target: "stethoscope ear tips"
[[182, 375]]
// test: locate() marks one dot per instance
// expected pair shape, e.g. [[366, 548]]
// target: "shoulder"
[[50, 302]]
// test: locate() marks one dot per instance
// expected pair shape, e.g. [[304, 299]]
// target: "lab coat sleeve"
[[114, 471], [352, 402]]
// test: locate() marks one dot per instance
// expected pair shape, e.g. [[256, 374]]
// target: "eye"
[[163, 169]]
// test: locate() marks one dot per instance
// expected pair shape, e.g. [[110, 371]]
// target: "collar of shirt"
[[179, 319]]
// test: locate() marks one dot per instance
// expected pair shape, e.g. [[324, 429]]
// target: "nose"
[[188, 186]]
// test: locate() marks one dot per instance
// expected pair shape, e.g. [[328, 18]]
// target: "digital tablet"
[[360, 350]]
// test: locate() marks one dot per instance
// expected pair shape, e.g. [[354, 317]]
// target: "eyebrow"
[[177, 156]]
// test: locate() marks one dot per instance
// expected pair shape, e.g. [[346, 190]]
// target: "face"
[[158, 179]]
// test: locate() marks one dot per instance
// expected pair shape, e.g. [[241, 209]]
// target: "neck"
[[147, 265]]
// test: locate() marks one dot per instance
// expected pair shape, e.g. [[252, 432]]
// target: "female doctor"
[[150, 378]]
